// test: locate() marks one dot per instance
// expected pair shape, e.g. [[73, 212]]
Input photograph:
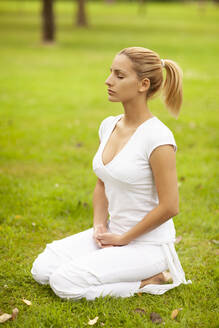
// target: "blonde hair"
[[147, 64]]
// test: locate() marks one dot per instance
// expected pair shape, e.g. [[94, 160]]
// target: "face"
[[123, 80]]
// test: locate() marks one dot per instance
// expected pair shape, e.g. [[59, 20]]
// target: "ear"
[[144, 85]]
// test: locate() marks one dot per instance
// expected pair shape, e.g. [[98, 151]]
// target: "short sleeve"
[[104, 125], [161, 136]]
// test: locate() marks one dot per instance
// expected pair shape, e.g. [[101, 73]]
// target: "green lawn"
[[52, 100]]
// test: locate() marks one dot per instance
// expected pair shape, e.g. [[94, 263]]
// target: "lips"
[[111, 91]]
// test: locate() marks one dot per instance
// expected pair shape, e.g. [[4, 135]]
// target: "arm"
[[100, 208], [100, 202], [100, 218], [100, 205], [163, 164]]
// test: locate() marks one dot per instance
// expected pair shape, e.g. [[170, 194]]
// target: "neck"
[[136, 112]]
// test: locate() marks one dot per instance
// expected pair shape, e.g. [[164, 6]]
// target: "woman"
[[137, 185]]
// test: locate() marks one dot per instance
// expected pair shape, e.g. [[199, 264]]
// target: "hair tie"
[[162, 62]]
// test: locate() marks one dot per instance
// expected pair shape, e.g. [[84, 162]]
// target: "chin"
[[113, 100]]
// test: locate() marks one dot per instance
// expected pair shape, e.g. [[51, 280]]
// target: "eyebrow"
[[117, 70]]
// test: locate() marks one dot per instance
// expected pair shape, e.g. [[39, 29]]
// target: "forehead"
[[122, 63]]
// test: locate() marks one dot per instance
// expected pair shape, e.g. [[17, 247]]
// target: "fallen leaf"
[[140, 311], [85, 204], [178, 239], [175, 312], [102, 324], [199, 186], [14, 313], [192, 125], [155, 317], [18, 216], [4, 317], [214, 241], [26, 301], [93, 321], [167, 276], [139, 294]]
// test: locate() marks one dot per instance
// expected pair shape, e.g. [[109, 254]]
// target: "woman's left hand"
[[110, 238]]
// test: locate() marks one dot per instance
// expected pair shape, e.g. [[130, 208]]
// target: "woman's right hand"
[[99, 228]]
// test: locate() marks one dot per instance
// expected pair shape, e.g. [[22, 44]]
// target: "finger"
[[102, 234], [99, 237], [97, 242], [105, 242]]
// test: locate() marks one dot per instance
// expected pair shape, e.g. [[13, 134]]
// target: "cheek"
[[128, 88]]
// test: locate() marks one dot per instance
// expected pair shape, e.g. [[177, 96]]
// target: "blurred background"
[[54, 59]]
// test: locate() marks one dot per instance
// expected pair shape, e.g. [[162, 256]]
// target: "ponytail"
[[172, 92], [147, 64]]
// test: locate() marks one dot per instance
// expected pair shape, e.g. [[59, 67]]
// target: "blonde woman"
[[130, 247]]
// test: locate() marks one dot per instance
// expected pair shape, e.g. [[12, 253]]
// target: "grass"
[[52, 101]]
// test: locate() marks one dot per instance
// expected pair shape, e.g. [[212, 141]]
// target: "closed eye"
[[119, 77]]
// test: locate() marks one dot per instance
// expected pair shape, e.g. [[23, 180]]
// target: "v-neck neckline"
[[126, 144]]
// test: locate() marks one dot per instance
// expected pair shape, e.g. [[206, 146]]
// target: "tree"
[[48, 22], [142, 7], [81, 14]]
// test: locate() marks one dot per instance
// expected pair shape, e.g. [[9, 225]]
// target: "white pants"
[[76, 267]]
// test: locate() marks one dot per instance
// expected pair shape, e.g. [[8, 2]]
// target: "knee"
[[64, 288], [39, 271]]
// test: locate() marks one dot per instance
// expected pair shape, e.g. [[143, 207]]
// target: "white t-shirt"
[[129, 183]]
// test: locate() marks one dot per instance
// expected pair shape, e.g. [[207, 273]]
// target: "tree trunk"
[[142, 7], [48, 22], [81, 14], [109, 2]]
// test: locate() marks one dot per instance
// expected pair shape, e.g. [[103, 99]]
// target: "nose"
[[107, 82]]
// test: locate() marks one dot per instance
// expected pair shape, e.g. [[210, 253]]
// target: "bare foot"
[[158, 279]]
